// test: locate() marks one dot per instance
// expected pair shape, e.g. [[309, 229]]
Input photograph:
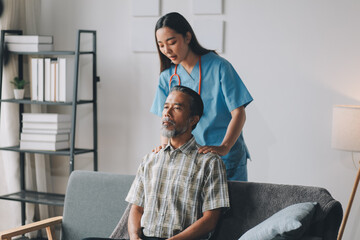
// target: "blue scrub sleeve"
[[233, 88]]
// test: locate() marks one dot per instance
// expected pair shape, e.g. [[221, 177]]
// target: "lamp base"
[[343, 224]]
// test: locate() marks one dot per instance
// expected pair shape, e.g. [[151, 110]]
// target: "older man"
[[178, 193]]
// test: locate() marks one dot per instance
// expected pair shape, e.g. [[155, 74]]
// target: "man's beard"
[[174, 132]]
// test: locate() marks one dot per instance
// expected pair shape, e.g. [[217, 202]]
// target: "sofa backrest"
[[252, 203], [94, 203]]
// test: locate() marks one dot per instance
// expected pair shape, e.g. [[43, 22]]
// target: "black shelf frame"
[[25, 196], [28, 101], [64, 152], [36, 197]]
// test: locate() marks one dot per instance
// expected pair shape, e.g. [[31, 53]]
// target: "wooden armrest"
[[46, 223]]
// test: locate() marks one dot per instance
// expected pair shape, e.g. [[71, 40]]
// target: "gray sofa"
[[94, 203], [252, 203]]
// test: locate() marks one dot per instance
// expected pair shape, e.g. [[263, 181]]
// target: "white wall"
[[297, 58]]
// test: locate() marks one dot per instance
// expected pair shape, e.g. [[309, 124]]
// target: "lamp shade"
[[346, 128]]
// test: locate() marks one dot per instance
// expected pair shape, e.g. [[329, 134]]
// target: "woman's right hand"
[[157, 149]]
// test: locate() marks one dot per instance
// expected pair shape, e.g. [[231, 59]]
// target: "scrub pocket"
[[236, 164], [239, 173]]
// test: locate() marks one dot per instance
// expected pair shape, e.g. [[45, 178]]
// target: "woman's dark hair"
[[196, 103], [179, 24]]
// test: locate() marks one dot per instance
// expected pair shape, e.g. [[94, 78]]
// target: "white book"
[[57, 82], [28, 39], [66, 79], [46, 117], [47, 76], [29, 47], [46, 131], [40, 79], [36, 145], [46, 125], [44, 137], [34, 79], [53, 80]]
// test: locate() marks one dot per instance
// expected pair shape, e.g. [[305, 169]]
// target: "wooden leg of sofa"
[[50, 233], [342, 227]]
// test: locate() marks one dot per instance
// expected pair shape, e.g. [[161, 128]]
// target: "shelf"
[[87, 52], [58, 152], [45, 53], [36, 197], [28, 101], [51, 53]]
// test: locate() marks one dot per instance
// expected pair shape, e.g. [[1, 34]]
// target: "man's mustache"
[[167, 119]]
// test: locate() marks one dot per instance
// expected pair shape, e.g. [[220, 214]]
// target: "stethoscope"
[[177, 75]]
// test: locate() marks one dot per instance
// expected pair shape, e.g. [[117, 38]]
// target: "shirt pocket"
[[185, 180], [181, 185], [189, 186]]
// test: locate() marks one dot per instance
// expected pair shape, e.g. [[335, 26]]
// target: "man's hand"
[[201, 227], [136, 238], [221, 150]]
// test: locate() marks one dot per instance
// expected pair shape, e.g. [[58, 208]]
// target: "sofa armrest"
[[46, 223]]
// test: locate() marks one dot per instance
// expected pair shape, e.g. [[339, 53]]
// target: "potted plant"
[[19, 87]]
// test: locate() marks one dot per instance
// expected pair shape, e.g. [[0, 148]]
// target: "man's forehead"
[[178, 98], [175, 103]]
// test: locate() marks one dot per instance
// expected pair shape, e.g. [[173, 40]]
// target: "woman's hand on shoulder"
[[157, 149], [220, 150]]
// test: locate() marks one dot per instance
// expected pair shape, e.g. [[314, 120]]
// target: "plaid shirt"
[[175, 186]]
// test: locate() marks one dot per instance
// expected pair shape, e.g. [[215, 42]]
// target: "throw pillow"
[[289, 223]]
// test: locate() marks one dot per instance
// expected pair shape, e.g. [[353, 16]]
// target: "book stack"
[[29, 43], [52, 79], [45, 131]]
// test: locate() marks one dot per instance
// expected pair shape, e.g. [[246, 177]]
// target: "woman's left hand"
[[221, 150]]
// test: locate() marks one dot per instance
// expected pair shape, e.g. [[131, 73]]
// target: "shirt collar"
[[185, 148]]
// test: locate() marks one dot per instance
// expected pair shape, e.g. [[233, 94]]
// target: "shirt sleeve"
[[136, 192], [162, 92], [215, 191], [233, 88]]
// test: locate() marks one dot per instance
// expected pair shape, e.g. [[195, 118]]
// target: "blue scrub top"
[[222, 91]]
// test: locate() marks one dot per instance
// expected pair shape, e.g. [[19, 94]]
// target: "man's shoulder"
[[208, 156], [151, 156], [211, 157]]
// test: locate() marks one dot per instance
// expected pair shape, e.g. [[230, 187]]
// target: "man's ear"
[[194, 120], [188, 37]]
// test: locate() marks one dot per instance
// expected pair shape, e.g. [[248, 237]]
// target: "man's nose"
[[167, 112]]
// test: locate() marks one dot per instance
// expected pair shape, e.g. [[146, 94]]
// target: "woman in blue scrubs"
[[183, 61]]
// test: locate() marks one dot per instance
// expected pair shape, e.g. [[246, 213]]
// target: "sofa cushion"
[[289, 223]]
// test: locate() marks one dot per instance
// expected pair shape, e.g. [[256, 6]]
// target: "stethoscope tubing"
[[177, 75]]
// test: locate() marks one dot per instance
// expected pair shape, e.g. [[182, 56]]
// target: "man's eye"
[[172, 43]]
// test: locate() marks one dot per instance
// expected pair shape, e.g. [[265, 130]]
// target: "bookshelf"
[[25, 196]]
